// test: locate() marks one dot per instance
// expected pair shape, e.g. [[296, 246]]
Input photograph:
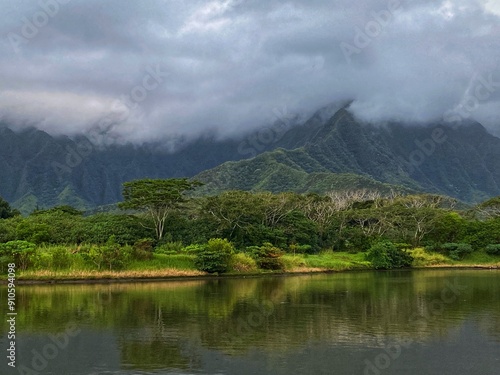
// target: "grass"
[[478, 258], [178, 265], [328, 260], [183, 262], [97, 275], [422, 258], [160, 266]]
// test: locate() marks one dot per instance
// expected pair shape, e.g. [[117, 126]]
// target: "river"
[[415, 322]]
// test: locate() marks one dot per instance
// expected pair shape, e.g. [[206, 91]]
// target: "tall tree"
[[156, 197], [5, 210]]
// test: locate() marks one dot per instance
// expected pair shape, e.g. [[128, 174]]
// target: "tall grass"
[[162, 261], [328, 260]]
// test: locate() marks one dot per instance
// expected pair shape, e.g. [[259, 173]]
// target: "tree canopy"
[[6, 211], [157, 197]]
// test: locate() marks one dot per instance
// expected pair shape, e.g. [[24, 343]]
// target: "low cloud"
[[227, 66]]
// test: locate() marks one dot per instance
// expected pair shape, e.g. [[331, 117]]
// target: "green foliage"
[[455, 251], [156, 197], [449, 227], [351, 221], [354, 240], [493, 249], [126, 229], [338, 261], [482, 233], [162, 261], [300, 249], [65, 209], [143, 249], [61, 258], [267, 256], [111, 256], [423, 258], [8, 229], [193, 248], [22, 253], [169, 248], [241, 262], [216, 256], [145, 244], [6, 211], [37, 233], [386, 255]]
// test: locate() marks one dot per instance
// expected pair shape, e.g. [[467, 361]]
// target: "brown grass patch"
[[117, 275]]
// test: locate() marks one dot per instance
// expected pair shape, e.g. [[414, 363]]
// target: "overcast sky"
[[149, 69]]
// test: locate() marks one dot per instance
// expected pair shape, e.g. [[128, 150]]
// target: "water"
[[400, 322]]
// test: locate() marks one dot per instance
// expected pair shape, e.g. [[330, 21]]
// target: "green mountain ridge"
[[464, 162], [284, 170], [326, 152]]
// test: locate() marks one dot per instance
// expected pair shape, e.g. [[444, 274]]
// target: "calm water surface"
[[401, 322]]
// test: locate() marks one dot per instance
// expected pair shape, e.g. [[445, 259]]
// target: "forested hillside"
[[321, 154], [461, 161]]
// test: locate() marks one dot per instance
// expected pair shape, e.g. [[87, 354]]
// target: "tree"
[[215, 256], [156, 197], [6, 211], [489, 209], [234, 211], [386, 255]]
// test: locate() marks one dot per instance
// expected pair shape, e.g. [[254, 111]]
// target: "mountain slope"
[[284, 170], [323, 153], [37, 169], [463, 162]]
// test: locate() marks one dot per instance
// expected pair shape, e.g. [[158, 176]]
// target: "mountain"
[[331, 150], [38, 169], [459, 161]]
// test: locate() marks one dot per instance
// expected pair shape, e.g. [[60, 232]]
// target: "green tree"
[[6, 211], [156, 197], [386, 255], [267, 256], [20, 252], [489, 208], [216, 256]]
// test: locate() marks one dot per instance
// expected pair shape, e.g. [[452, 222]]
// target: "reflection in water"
[[411, 322]]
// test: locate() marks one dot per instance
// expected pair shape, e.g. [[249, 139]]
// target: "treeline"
[[348, 221]]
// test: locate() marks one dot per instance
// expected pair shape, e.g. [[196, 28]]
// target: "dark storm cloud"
[[149, 69]]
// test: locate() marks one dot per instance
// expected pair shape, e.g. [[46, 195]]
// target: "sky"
[[174, 69]]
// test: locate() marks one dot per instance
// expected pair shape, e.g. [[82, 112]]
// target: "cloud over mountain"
[[146, 70]]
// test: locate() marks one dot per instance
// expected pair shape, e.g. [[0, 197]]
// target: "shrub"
[[215, 257], [61, 258], [456, 251], [385, 255], [23, 253], [193, 248], [291, 262], [300, 249], [423, 257], [493, 249], [169, 248], [43, 261], [267, 256], [111, 255], [143, 249], [145, 244], [242, 262]]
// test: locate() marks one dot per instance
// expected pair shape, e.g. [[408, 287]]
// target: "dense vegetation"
[[243, 231]]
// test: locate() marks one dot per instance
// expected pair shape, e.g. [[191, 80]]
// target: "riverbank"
[[168, 267]]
